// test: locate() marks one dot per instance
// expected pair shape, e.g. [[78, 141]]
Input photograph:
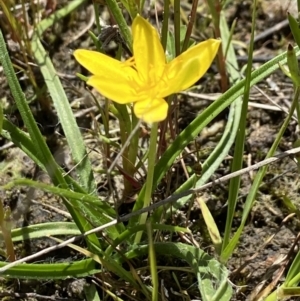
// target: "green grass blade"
[[51, 271], [35, 135], [60, 100], [294, 26], [65, 115], [292, 278], [227, 252], [91, 292], [237, 162], [44, 230], [22, 141], [125, 235]]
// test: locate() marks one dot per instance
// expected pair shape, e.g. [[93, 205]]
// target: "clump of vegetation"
[[149, 159]]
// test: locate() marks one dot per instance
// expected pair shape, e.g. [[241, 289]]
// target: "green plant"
[[120, 244]]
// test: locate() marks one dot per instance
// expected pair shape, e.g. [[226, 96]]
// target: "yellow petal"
[[148, 52], [188, 67], [117, 90], [112, 78], [151, 110], [98, 63]]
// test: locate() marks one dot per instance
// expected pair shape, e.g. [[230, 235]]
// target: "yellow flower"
[[146, 79]]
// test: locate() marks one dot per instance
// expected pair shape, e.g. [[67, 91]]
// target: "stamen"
[[130, 62]]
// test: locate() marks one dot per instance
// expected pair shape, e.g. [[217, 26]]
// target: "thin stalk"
[[149, 181], [239, 145], [216, 10], [153, 263], [97, 17], [189, 29], [177, 26], [230, 38]]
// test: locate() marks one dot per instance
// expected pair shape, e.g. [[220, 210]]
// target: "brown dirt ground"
[[253, 258]]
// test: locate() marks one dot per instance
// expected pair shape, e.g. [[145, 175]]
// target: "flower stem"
[[149, 181]]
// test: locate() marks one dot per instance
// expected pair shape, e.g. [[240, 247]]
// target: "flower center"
[[149, 87]]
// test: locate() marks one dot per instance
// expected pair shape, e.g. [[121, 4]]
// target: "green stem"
[[149, 181], [97, 18], [239, 144], [118, 15], [153, 263]]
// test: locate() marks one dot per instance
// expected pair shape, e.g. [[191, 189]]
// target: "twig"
[[270, 31]]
